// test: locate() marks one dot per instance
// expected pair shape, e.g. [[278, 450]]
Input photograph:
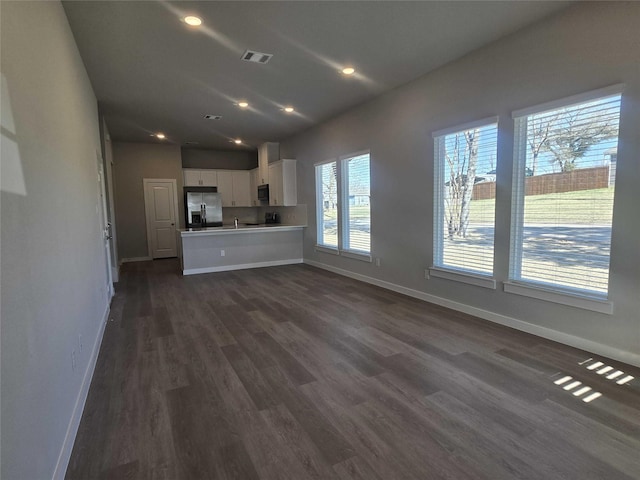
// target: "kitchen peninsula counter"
[[219, 249]]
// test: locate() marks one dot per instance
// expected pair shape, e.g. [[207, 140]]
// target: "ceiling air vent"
[[213, 117], [256, 57]]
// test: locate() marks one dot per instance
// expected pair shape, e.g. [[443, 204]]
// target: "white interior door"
[[161, 208], [105, 226]]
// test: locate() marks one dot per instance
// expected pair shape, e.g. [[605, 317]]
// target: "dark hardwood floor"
[[294, 373]]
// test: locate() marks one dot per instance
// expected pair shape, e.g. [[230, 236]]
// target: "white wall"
[[52, 260], [588, 46]]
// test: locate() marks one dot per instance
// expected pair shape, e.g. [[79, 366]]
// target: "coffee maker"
[[271, 217]]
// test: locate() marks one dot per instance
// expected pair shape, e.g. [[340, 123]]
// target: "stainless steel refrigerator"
[[203, 207]]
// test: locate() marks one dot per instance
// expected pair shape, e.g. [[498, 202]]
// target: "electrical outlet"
[[80, 346], [426, 273], [378, 262], [222, 253], [73, 360]]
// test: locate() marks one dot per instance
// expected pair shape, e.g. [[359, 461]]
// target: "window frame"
[[342, 175], [437, 269], [320, 212], [566, 295], [344, 208]]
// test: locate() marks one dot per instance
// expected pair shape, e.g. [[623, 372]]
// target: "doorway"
[[105, 225], [161, 211]]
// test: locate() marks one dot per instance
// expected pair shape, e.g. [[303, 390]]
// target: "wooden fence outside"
[[582, 179]]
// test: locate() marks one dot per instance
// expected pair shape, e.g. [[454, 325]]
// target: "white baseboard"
[[74, 422], [544, 332], [115, 273], [135, 259], [243, 266]]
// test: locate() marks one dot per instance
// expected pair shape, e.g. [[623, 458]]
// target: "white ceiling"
[[152, 73]]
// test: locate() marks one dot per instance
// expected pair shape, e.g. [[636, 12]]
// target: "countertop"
[[242, 228]]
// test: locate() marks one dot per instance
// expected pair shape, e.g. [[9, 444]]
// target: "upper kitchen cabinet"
[[200, 178], [268, 153], [253, 185], [234, 186], [282, 184]]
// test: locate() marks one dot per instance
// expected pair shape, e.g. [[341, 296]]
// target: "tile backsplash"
[[288, 215]]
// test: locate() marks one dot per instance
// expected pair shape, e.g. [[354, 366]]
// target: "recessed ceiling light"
[[193, 21], [348, 70], [243, 104], [288, 109], [160, 136], [237, 141]]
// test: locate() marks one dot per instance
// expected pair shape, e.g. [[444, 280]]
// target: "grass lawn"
[[585, 207]]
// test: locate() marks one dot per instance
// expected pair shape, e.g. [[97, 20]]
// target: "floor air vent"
[[256, 57], [213, 117]]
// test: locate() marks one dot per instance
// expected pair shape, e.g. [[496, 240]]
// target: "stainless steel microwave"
[[263, 193]]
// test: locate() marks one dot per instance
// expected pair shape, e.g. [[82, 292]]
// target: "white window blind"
[[357, 212], [564, 182], [327, 204], [464, 197]]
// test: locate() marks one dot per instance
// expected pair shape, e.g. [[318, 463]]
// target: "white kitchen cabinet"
[[254, 176], [209, 178], [234, 188], [241, 188], [225, 187], [282, 183], [268, 153], [200, 178]]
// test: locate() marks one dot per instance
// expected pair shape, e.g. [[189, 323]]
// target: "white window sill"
[[330, 250], [563, 298], [365, 257], [355, 255], [463, 277]]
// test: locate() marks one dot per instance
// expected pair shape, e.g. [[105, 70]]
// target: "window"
[[327, 204], [355, 201], [343, 206], [564, 182], [464, 202]]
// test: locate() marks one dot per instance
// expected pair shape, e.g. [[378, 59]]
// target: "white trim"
[[242, 266], [325, 249], [466, 126], [570, 101], [563, 298], [465, 277], [115, 274], [135, 259], [364, 257], [625, 356], [74, 422]]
